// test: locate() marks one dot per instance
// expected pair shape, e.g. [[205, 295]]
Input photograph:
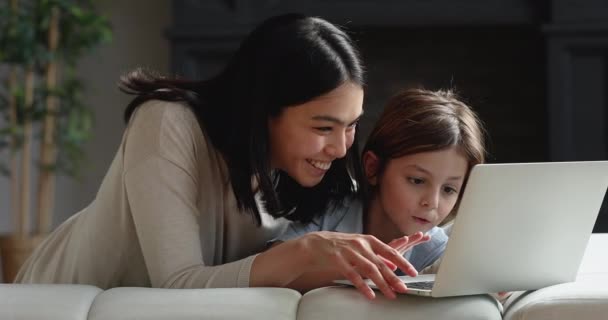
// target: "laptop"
[[520, 226]]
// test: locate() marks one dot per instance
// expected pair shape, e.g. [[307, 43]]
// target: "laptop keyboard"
[[423, 285]]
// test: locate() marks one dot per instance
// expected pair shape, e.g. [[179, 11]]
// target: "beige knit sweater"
[[164, 216]]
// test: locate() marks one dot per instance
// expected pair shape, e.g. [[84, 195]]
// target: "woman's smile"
[[321, 165]]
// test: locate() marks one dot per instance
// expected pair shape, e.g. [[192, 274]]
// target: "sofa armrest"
[[575, 300], [586, 298]]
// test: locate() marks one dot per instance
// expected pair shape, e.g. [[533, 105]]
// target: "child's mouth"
[[421, 220]]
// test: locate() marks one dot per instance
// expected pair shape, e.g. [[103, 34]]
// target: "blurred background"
[[535, 71]]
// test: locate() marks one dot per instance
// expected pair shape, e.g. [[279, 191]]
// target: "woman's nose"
[[338, 146]]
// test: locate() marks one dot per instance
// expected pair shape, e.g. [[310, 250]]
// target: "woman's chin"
[[308, 181]]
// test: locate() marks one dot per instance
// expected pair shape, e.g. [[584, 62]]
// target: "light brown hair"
[[419, 120]]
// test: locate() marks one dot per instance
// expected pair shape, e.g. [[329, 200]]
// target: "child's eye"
[[450, 190], [324, 129], [415, 180]]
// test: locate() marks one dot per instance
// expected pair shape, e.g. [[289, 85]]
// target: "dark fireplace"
[[499, 71], [535, 71]]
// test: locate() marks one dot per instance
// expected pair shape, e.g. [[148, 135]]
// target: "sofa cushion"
[[586, 298], [575, 300], [185, 304], [50, 302], [348, 303]]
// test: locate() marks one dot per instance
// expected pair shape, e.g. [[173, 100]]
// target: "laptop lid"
[[521, 226]]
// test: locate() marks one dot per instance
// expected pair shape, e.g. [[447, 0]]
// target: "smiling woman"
[[209, 171], [305, 140]]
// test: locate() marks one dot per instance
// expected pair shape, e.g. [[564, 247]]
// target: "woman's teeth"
[[320, 164]]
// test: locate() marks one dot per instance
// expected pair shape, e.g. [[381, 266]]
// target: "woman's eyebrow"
[[335, 120]]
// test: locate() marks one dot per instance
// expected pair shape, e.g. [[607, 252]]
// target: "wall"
[[534, 70], [139, 27]]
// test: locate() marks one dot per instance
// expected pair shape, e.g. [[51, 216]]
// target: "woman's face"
[[418, 191], [306, 138]]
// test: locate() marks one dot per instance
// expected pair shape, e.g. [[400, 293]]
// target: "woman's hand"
[[358, 257]]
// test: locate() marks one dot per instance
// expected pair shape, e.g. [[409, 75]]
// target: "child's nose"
[[430, 200]]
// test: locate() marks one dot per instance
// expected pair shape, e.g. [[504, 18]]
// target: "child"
[[416, 162]]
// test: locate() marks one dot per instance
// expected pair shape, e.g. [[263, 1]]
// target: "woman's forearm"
[[280, 265], [307, 278], [315, 279]]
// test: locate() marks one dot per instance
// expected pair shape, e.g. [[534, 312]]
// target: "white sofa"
[[587, 299]]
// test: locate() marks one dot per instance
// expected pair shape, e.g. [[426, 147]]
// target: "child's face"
[[306, 138], [417, 192]]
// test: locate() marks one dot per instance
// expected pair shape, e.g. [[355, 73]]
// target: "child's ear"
[[370, 165]]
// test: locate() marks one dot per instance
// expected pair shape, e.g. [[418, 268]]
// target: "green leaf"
[[23, 42]]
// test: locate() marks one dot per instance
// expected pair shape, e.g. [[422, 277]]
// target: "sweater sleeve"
[[162, 180]]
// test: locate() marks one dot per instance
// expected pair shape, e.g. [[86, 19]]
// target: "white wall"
[[139, 40]]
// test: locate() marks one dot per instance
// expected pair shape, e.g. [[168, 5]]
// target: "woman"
[[209, 171]]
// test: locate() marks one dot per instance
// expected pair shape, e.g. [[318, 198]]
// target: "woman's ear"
[[370, 165]]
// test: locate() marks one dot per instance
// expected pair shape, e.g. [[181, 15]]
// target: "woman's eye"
[[415, 180], [324, 129]]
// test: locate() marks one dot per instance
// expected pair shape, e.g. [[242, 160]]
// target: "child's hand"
[[405, 243]]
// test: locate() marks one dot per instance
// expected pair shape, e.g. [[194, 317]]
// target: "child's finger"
[[403, 247]]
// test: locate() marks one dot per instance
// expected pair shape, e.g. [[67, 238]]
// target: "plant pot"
[[14, 250]]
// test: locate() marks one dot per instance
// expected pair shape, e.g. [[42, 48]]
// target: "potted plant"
[[40, 97]]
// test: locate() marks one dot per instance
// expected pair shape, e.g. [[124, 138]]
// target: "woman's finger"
[[387, 274], [355, 278], [373, 268], [394, 256], [388, 263]]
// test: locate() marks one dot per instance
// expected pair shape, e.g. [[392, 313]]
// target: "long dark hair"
[[286, 61]]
